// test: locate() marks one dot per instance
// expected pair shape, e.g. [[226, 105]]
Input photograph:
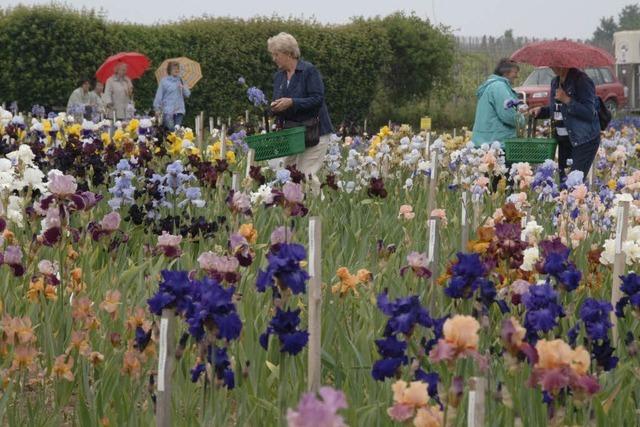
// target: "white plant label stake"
[[432, 239], [234, 182], [162, 359], [471, 412], [619, 223], [463, 220]]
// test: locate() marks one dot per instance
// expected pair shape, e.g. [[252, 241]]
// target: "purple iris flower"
[[285, 325]]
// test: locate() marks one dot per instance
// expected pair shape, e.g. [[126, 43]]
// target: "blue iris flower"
[[543, 310], [142, 339], [404, 314], [197, 371], [432, 379], [391, 347], [603, 354], [285, 325], [595, 315], [284, 265], [256, 96], [221, 366], [214, 306], [386, 368], [631, 288], [174, 292]]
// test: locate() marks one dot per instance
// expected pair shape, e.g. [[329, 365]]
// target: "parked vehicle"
[[535, 89]]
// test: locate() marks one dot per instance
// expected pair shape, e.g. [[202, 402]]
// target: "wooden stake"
[[202, 125], [619, 261], [591, 178], [210, 125], [197, 130], [250, 156], [477, 395], [223, 142], [166, 360], [477, 211], [385, 167], [315, 301], [464, 223], [365, 126], [246, 117], [235, 182]]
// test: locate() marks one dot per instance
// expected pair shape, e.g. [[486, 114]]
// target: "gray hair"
[[284, 43], [504, 66]]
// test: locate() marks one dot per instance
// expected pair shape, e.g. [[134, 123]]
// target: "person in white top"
[[118, 93], [80, 97], [97, 100]]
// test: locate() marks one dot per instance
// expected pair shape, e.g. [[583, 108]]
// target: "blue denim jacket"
[[169, 98], [306, 89], [580, 115]]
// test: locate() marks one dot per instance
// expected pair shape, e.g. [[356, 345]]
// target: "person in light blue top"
[[494, 120], [169, 100]]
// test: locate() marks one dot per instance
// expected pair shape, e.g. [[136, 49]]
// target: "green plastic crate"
[[531, 150], [272, 145]]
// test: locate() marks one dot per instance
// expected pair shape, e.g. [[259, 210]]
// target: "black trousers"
[[582, 156]]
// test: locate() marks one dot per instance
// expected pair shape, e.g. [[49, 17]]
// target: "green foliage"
[[603, 35], [44, 50], [629, 18], [423, 56]]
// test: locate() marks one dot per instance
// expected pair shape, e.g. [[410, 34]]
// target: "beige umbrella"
[[190, 70]]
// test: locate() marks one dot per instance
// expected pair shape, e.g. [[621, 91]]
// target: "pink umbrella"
[[137, 64], [562, 53]]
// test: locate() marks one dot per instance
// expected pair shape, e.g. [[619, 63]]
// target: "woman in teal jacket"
[[493, 121]]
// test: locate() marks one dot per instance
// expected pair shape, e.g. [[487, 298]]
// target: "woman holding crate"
[[298, 93], [573, 109]]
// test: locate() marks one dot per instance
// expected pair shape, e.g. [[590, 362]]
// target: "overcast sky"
[[540, 18]]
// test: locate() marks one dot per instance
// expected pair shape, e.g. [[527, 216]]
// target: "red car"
[[535, 89]]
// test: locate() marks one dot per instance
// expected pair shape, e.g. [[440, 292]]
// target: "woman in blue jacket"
[[169, 100], [298, 93], [573, 109]]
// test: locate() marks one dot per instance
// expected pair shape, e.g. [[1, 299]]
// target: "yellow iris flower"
[[176, 144], [188, 135], [133, 125], [231, 157], [118, 135], [74, 130]]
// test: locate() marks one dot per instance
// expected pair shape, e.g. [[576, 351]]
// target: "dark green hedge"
[[44, 50]]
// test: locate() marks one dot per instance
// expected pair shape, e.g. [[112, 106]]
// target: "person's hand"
[[533, 111], [562, 96], [281, 104]]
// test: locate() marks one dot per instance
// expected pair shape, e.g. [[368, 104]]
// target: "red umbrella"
[[562, 53], [137, 64]]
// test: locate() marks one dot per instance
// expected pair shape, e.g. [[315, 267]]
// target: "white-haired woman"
[[298, 93], [118, 92]]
